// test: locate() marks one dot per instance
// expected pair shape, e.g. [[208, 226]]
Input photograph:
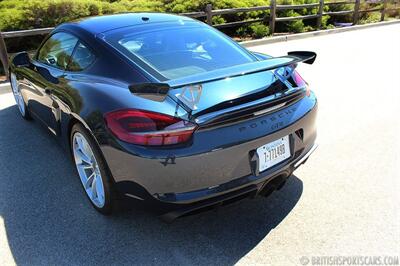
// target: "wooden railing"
[[269, 18]]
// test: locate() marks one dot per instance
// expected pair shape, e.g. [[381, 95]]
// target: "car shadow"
[[48, 220]]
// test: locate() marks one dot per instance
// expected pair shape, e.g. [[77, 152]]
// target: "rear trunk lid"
[[209, 96]]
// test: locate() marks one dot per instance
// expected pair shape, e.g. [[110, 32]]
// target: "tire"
[[19, 99], [102, 199]]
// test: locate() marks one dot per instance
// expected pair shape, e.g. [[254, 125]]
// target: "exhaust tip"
[[275, 183]]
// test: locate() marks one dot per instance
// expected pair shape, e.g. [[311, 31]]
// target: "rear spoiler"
[[158, 91]]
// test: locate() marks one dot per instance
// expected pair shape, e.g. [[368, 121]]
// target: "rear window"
[[181, 52]]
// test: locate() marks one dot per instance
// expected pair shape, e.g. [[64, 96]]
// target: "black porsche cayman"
[[167, 111]]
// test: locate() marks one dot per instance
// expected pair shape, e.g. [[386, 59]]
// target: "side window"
[[57, 50], [81, 58]]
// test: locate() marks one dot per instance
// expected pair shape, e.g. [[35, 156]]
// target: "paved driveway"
[[344, 201]]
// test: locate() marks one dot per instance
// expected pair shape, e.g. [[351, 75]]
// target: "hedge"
[[28, 14], [23, 14]]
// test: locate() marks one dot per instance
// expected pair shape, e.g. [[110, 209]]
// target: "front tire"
[[19, 99], [92, 170]]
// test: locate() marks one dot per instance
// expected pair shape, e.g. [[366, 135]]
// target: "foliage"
[[370, 18], [296, 26], [254, 30], [181, 6], [243, 31], [28, 14], [324, 22], [259, 30], [394, 12], [23, 14], [341, 7]]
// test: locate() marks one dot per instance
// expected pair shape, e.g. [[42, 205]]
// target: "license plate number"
[[273, 153]]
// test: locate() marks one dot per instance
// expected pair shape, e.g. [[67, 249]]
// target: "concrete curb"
[[5, 88], [289, 37]]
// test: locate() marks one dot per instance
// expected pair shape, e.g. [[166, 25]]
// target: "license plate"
[[273, 153]]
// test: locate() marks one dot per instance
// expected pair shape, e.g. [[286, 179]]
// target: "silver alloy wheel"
[[17, 93], [88, 170]]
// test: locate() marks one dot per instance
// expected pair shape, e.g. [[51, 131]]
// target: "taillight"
[[149, 128], [300, 82]]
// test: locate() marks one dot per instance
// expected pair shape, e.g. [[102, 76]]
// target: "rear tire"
[[92, 170]]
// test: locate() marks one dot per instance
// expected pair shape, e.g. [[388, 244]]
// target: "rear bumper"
[[261, 186], [284, 169], [217, 166]]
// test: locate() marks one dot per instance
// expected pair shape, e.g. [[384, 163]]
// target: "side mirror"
[[21, 60]]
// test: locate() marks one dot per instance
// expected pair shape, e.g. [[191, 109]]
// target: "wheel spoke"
[[85, 166], [79, 141], [99, 188], [84, 146], [82, 151], [90, 180], [83, 157], [94, 188]]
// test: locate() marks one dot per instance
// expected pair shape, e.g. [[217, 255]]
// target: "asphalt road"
[[344, 201]]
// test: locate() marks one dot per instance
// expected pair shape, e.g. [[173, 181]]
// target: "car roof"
[[101, 24]]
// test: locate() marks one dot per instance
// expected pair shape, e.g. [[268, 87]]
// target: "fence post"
[[3, 55], [320, 11], [209, 14], [272, 16], [383, 10], [356, 12]]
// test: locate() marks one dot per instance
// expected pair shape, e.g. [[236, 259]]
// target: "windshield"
[[180, 52]]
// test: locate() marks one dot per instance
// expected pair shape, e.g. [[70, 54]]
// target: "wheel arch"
[[74, 119]]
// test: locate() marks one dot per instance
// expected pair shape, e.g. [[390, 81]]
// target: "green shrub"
[[218, 20], [394, 12], [94, 10], [243, 31], [308, 28], [370, 18], [259, 30], [27, 14], [324, 22], [296, 26], [21, 14], [340, 7]]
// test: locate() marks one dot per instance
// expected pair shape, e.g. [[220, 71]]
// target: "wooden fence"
[[269, 18]]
